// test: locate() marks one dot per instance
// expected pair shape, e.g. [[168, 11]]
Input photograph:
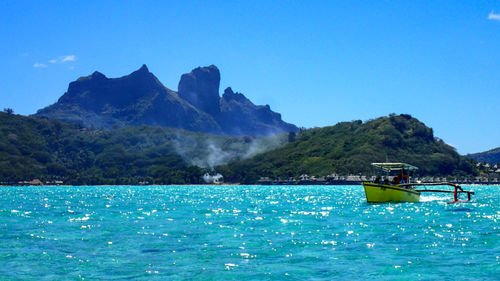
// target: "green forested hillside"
[[51, 150], [350, 147]]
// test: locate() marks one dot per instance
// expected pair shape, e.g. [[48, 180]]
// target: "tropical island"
[[133, 130]]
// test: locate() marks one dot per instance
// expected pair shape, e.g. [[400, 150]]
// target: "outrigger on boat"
[[399, 188]]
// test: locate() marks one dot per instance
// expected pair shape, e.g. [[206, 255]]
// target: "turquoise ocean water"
[[243, 232]]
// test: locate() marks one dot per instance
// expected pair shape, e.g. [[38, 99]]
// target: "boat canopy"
[[388, 167]]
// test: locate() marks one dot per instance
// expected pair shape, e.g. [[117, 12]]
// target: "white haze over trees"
[[212, 151]]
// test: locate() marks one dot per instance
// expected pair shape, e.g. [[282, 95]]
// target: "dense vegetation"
[[52, 150], [490, 156], [350, 147]]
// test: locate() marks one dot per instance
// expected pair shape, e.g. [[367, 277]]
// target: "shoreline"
[[230, 184]]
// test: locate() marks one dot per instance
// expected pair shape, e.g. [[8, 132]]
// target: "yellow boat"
[[399, 191], [376, 193]]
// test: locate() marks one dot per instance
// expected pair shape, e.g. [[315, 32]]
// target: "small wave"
[[460, 210], [431, 198], [151, 250]]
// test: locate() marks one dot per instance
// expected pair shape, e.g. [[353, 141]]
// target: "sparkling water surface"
[[250, 232]]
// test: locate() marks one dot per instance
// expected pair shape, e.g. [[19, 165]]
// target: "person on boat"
[[377, 180], [396, 179], [404, 177]]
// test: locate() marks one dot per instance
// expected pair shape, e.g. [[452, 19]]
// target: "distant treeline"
[[32, 148], [491, 156]]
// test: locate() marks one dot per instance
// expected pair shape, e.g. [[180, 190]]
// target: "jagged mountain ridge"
[[141, 99]]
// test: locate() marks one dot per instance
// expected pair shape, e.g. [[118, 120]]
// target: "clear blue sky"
[[315, 62]]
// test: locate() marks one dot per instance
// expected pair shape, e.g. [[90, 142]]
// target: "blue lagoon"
[[251, 232]]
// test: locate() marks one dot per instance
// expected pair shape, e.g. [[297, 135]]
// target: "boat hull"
[[377, 193]]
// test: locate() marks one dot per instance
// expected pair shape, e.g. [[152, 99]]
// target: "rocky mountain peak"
[[143, 70], [200, 87], [140, 98], [229, 95], [94, 76], [98, 75]]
